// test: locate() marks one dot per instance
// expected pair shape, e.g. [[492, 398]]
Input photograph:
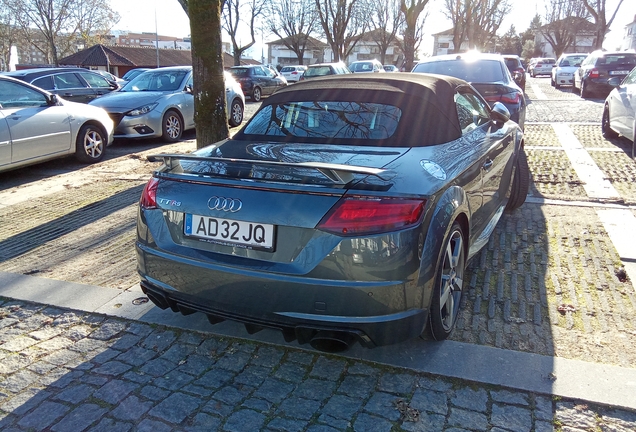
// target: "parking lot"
[[549, 282]]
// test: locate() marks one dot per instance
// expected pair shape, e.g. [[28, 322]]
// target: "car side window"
[[95, 81], [67, 81], [631, 78], [259, 71], [45, 83], [14, 95], [470, 111]]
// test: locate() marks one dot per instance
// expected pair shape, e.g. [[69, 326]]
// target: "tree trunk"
[[207, 63]]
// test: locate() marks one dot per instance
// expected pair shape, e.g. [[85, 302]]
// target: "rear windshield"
[[471, 71], [361, 67], [326, 120], [239, 72], [618, 60], [512, 63], [318, 71], [288, 69]]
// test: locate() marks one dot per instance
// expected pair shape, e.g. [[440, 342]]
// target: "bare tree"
[[53, 26], [413, 26], [386, 20], [456, 12], [8, 35], [475, 21], [238, 14], [294, 21], [207, 69], [597, 8], [94, 22], [343, 23], [564, 19]]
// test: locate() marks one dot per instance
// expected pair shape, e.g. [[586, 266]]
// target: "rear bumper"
[[299, 310]]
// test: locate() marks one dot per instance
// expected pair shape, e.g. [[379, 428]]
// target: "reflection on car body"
[[376, 190]]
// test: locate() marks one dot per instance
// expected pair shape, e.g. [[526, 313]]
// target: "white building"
[[583, 40], [279, 55], [368, 49], [443, 43], [629, 37]]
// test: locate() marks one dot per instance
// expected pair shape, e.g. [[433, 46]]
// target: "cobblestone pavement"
[[62, 370], [68, 371]]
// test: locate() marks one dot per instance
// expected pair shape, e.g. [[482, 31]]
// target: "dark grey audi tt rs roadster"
[[345, 210]]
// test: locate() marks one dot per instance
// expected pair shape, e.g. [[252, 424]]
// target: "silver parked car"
[[159, 103], [619, 112], [36, 125]]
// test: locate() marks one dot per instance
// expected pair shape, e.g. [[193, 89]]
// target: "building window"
[[443, 45]]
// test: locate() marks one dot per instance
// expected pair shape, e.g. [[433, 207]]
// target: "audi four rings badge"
[[225, 204]]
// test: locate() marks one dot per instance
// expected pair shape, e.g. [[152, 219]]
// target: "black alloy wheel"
[[520, 182], [256, 94], [607, 131]]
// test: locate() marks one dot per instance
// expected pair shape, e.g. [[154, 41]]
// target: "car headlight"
[[141, 110]]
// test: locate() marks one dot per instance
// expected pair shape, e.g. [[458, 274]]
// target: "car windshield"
[[156, 81], [332, 119], [572, 61], [512, 63], [471, 71], [132, 74]]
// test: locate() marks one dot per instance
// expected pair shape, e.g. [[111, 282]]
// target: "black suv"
[[518, 72], [257, 81], [73, 84], [598, 68]]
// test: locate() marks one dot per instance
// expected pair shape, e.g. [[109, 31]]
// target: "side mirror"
[[615, 81], [499, 113], [54, 100], [188, 89]]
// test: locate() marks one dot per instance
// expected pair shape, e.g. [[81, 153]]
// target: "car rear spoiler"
[[340, 175]]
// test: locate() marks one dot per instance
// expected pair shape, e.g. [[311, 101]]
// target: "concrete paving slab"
[[593, 382]]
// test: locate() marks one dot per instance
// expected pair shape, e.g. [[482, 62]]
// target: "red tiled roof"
[[103, 55]]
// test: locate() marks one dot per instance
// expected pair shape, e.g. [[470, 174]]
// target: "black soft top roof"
[[429, 114]]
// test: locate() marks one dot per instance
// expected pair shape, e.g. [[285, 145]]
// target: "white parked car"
[[293, 73], [543, 66], [619, 111], [36, 126], [566, 66]]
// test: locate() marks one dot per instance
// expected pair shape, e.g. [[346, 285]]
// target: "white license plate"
[[565, 75], [619, 72], [231, 232]]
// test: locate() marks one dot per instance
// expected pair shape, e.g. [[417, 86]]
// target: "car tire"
[[607, 131], [172, 126], [520, 183], [449, 277], [256, 94], [552, 82], [585, 93], [90, 146], [236, 113]]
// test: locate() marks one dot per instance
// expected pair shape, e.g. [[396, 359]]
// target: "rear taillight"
[[363, 215], [511, 98], [149, 195], [594, 73]]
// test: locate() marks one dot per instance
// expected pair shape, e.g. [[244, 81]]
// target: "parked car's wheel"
[[607, 131], [449, 280], [172, 126], [585, 93], [256, 94], [520, 183], [236, 113], [91, 144], [552, 81], [532, 74]]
